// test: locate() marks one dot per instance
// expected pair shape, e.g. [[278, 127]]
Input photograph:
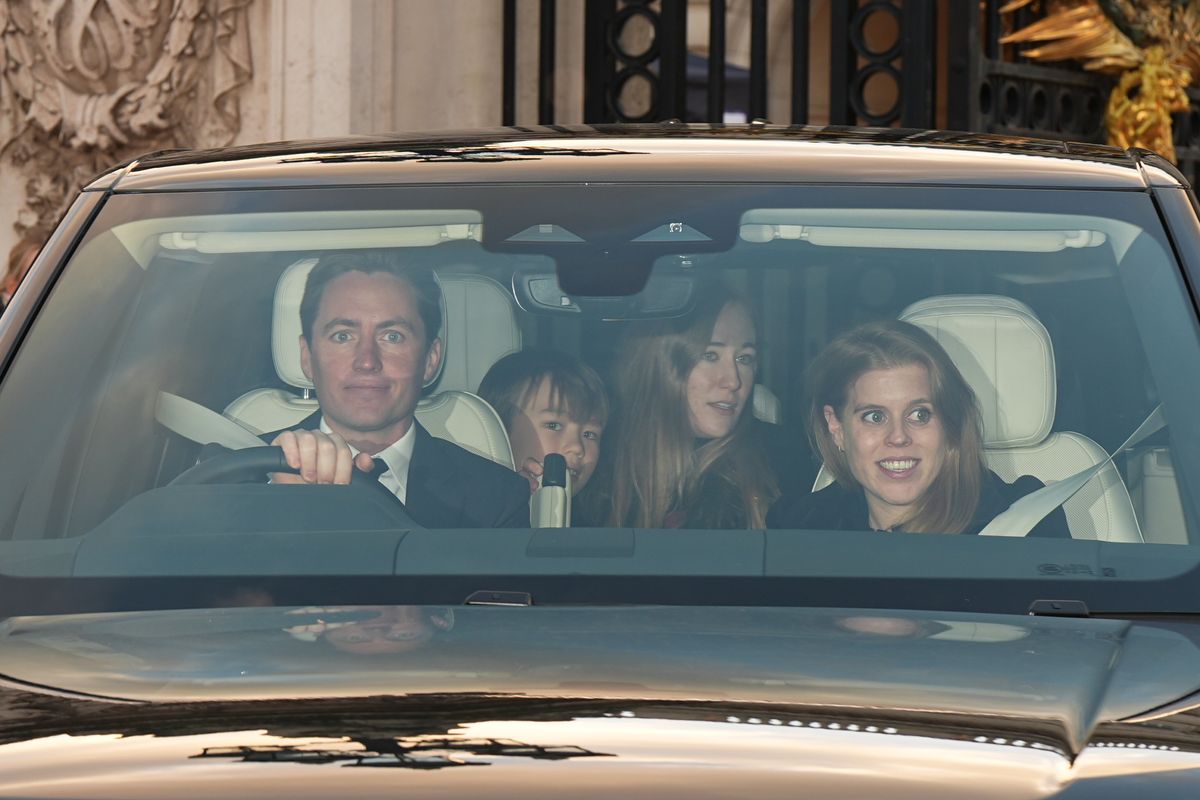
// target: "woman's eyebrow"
[[877, 406], [715, 343]]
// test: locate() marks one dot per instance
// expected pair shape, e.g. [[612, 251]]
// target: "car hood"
[[668, 701]]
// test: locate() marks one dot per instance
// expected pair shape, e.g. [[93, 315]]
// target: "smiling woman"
[[899, 428]]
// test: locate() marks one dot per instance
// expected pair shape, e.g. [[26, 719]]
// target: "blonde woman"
[[686, 452], [898, 427]]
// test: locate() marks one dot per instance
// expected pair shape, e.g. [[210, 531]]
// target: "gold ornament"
[[1141, 104], [1152, 45]]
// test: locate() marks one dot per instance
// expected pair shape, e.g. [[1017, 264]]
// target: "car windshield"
[[703, 357]]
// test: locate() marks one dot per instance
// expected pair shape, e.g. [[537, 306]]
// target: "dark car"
[[757, 590]]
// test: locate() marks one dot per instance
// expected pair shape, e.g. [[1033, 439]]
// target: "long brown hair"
[[656, 466], [952, 498]]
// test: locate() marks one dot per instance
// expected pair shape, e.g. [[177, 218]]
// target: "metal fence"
[[987, 87]]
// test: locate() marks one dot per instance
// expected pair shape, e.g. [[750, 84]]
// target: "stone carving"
[[85, 84]]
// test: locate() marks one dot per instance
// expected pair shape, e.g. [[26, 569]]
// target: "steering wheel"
[[235, 466], [254, 463], [248, 464]]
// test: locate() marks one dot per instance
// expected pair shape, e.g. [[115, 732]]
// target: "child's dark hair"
[[575, 388]]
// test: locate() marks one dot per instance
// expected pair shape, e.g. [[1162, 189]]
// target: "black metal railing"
[[874, 79], [1187, 139], [612, 71], [993, 91], [907, 61]]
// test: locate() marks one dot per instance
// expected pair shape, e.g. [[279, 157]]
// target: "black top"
[[837, 508]]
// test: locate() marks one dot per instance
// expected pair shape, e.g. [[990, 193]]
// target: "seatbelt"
[[201, 424], [1021, 517]]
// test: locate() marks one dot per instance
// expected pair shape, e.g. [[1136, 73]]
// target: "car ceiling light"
[[336, 239], [1026, 241]]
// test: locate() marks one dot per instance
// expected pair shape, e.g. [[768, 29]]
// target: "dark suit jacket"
[[449, 487], [836, 508]]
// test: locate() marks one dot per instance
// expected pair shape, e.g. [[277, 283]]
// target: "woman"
[[899, 428], [686, 451]]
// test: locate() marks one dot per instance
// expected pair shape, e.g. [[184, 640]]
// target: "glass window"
[[702, 312]]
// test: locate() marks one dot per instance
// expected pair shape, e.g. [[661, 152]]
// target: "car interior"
[[187, 327]]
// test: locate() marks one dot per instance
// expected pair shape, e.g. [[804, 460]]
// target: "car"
[[185, 616]]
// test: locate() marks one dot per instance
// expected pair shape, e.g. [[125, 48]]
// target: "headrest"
[[468, 301], [1006, 356], [480, 327]]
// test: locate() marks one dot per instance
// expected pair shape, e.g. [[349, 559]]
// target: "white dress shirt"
[[397, 456]]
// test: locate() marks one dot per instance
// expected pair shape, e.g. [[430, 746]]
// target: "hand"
[[532, 470], [320, 457]]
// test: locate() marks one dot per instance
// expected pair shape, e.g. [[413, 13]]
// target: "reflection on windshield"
[[371, 630], [402, 753]]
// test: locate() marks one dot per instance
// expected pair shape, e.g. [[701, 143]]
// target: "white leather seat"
[[765, 405], [1005, 354], [471, 303]]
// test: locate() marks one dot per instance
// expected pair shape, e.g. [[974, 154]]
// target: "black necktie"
[[380, 467], [372, 477]]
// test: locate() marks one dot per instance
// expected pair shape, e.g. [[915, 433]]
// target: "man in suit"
[[369, 345]]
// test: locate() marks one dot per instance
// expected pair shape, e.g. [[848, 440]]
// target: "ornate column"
[[88, 83]]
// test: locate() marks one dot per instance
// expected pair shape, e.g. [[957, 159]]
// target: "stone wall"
[[85, 84], [86, 88]]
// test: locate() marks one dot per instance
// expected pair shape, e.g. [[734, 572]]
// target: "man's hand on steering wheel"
[[320, 458]]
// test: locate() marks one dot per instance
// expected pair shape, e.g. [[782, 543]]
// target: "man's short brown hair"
[[333, 265]]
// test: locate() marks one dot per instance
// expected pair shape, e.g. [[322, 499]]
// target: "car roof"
[[668, 152]]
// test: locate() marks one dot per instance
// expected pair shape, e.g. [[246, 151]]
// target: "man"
[[369, 345]]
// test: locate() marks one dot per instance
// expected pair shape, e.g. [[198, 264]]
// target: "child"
[[550, 402]]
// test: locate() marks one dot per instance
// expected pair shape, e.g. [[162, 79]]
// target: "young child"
[[550, 402]]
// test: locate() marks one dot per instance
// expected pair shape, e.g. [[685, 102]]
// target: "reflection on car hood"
[[838, 703]]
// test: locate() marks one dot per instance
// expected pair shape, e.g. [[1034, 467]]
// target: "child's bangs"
[[573, 396]]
